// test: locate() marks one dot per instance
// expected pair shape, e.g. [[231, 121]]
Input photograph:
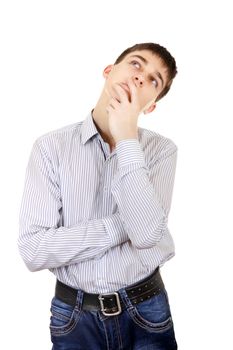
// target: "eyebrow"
[[146, 62]]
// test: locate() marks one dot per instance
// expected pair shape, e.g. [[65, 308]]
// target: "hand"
[[123, 113]]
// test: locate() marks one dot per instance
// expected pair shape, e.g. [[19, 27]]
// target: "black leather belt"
[[110, 303]]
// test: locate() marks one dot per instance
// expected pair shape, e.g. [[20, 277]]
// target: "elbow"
[[149, 240], [29, 259], [150, 233], [31, 266]]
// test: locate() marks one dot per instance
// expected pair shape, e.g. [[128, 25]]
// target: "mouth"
[[126, 88]]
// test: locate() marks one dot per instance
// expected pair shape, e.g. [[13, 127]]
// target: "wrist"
[[126, 137]]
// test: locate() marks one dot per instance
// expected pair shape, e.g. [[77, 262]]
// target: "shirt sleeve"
[[43, 243], [144, 193]]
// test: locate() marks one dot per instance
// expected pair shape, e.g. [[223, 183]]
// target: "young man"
[[95, 211]]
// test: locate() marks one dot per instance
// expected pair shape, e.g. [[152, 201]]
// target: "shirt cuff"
[[129, 152]]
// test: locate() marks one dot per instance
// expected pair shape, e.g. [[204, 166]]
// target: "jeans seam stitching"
[[106, 336], [118, 332]]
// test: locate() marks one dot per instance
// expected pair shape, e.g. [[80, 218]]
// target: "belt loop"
[[125, 297], [79, 299]]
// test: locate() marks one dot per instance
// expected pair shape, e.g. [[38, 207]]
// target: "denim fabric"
[[144, 326]]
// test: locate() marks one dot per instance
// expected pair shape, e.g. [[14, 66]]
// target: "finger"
[[121, 92], [133, 90], [109, 108], [115, 97], [113, 103]]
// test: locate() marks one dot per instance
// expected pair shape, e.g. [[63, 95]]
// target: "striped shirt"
[[97, 219]]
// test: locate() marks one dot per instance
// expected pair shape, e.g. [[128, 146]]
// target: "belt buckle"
[[101, 299]]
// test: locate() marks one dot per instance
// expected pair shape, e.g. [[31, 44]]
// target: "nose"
[[139, 80]]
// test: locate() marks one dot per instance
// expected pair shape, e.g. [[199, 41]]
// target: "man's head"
[[150, 66]]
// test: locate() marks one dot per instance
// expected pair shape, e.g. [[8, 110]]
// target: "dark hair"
[[160, 51]]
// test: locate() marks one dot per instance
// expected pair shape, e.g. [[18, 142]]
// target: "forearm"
[[142, 213], [44, 248], [143, 195]]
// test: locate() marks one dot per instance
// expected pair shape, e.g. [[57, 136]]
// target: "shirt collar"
[[88, 128]]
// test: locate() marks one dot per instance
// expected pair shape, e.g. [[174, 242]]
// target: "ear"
[[107, 70], [150, 109]]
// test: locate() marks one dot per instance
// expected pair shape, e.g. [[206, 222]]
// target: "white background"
[[52, 57]]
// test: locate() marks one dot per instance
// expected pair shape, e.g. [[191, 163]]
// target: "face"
[[147, 72]]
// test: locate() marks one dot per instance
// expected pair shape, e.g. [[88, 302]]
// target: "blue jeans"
[[144, 326]]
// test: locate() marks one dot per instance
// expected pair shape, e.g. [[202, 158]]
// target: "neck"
[[100, 117]]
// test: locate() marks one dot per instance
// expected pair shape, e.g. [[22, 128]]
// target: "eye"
[[155, 82], [136, 64]]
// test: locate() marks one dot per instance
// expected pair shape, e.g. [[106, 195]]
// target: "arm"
[[143, 194], [42, 242]]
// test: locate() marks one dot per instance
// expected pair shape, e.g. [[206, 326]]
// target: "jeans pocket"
[[153, 314], [63, 318]]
